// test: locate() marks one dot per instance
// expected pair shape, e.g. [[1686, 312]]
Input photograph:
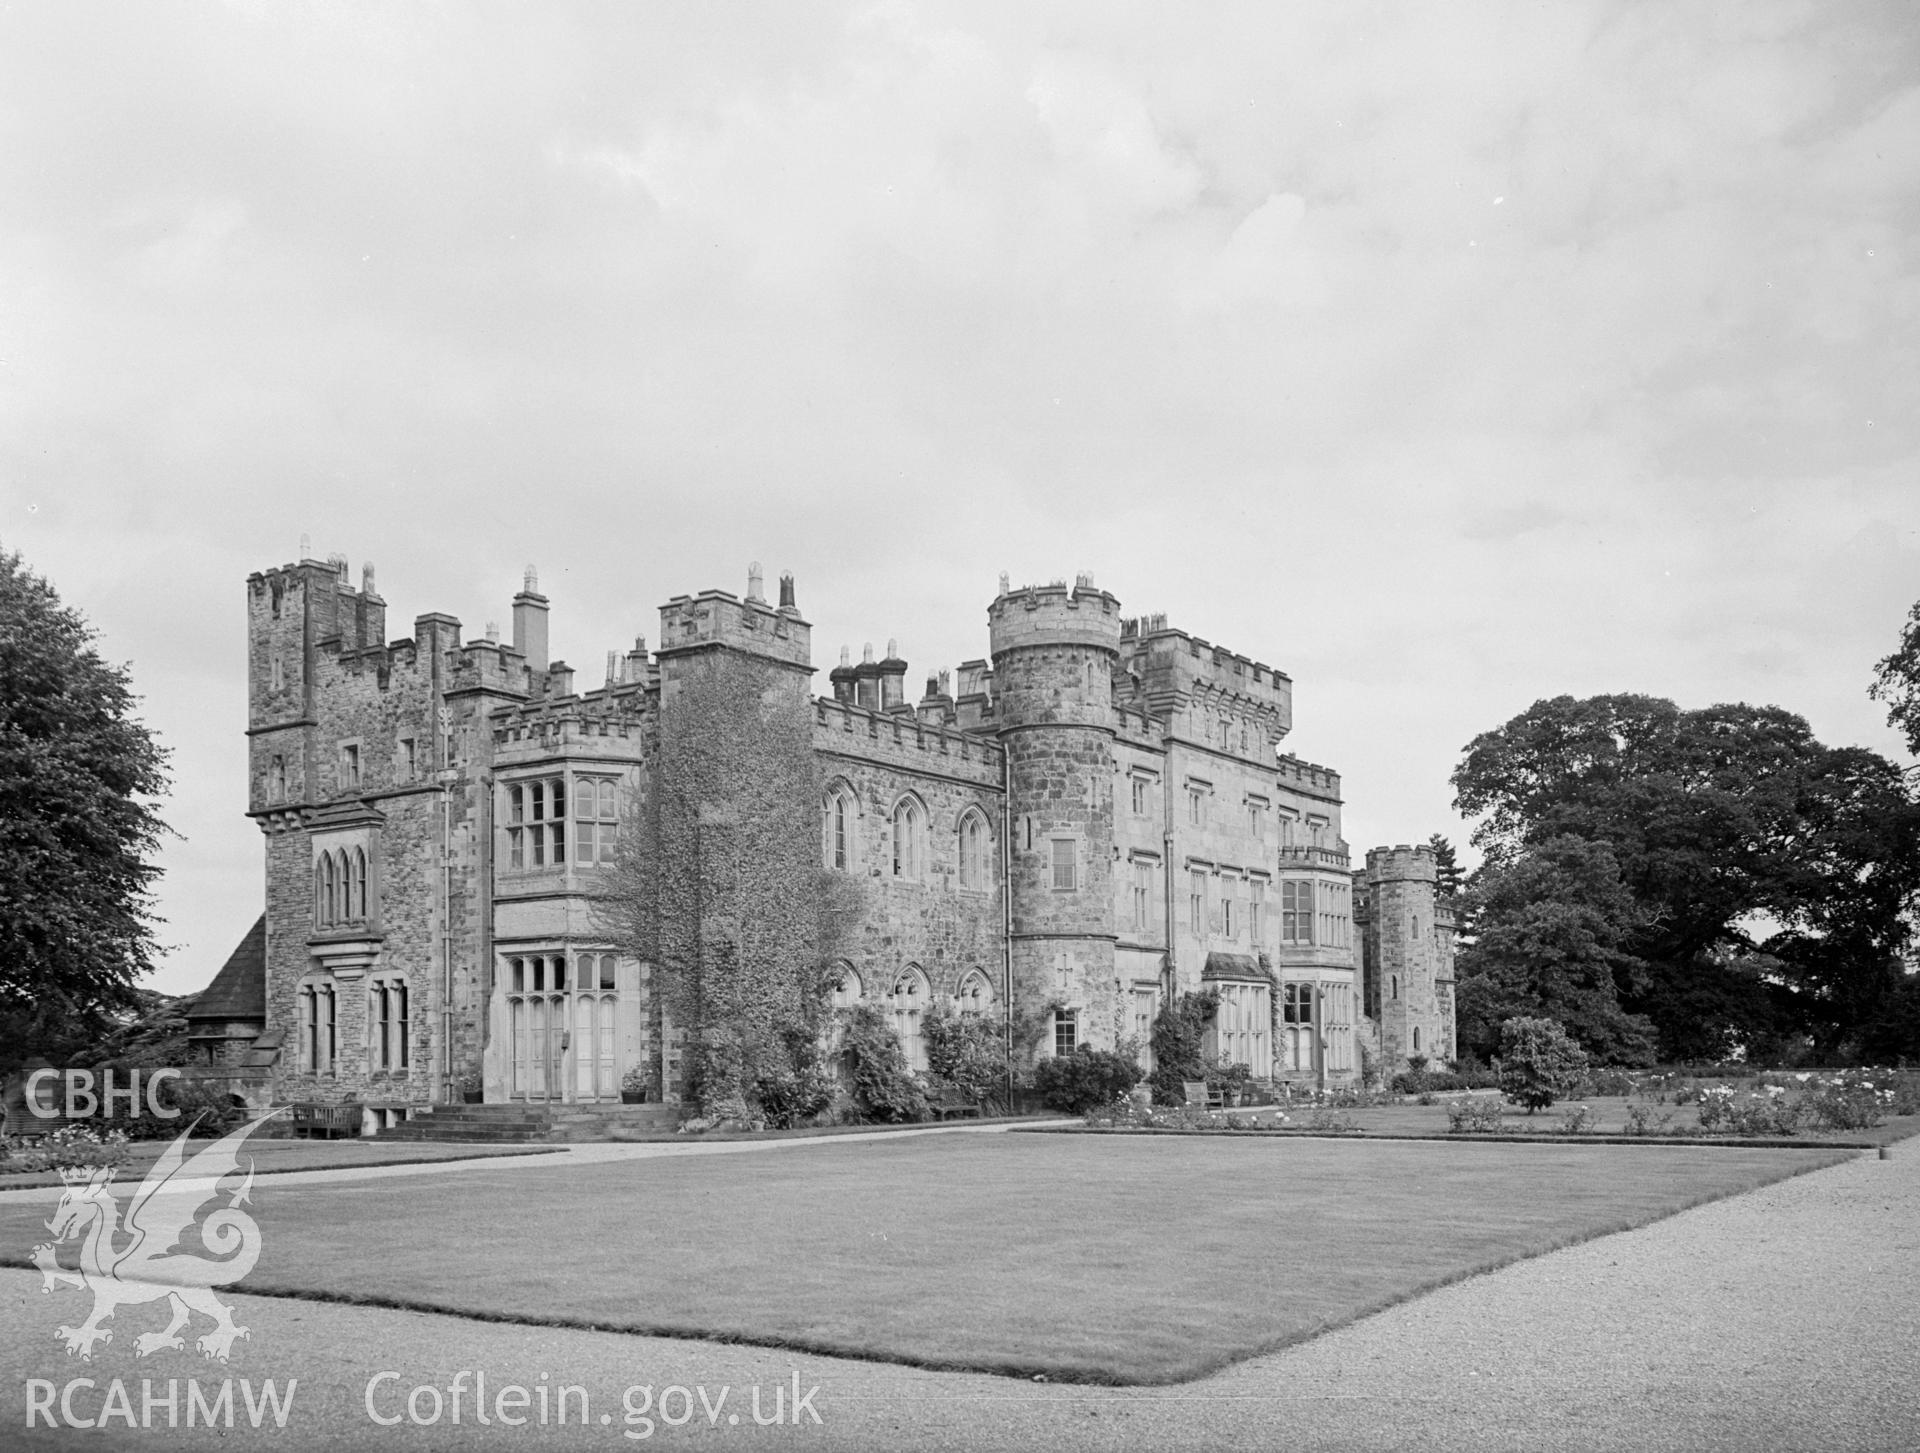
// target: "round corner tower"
[[1408, 954], [1054, 652]]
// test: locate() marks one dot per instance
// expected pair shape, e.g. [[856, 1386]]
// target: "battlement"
[[903, 739], [611, 715], [1402, 864], [1308, 856], [1054, 615], [486, 665], [1173, 666], [1307, 775], [1139, 727], [354, 618], [718, 618]]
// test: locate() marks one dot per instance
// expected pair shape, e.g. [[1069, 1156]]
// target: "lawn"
[[1108, 1259]]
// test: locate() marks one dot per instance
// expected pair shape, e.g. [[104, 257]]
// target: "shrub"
[[1576, 1119], [1539, 1063], [798, 1094], [1474, 1074], [1178, 1038], [206, 1101], [1853, 1100], [1641, 1120], [1087, 1078], [1611, 1081], [69, 1146], [1476, 1113], [1427, 1082], [1330, 1120], [883, 1088], [1768, 1112], [965, 1053]]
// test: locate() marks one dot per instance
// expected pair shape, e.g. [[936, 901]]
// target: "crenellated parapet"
[[592, 721], [904, 741], [1173, 673], [1308, 777], [715, 619], [1054, 615], [1403, 864]]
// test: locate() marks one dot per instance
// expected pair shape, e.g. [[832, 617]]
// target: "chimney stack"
[[530, 623], [843, 676], [893, 679], [786, 593], [866, 680]]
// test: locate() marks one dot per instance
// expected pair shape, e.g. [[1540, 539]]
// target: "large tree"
[[1896, 681], [1549, 940], [78, 775], [1736, 833]]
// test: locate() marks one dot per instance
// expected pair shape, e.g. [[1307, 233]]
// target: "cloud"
[[1216, 302]]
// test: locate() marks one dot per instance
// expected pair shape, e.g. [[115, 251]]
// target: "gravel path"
[[1786, 1318]]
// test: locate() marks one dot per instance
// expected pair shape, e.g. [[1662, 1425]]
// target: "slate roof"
[[239, 990], [1233, 966]]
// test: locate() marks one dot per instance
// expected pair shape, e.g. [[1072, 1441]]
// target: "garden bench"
[[326, 1121], [945, 1107], [1202, 1096]]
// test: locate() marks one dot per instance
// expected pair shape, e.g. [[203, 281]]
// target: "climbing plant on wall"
[[1179, 1041], [719, 883]]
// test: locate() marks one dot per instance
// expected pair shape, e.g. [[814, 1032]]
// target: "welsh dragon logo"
[[140, 1260]]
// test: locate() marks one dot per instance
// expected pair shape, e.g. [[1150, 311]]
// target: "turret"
[[1407, 956], [1054, 651]]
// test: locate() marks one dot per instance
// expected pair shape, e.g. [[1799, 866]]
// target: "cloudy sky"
[[1445, 356]]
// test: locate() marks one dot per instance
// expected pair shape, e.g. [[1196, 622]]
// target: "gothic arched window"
[[910, 996], [909, 839], [975, 994], [839, 819], [975, 852]]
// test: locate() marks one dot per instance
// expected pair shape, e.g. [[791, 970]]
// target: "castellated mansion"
[[1092, 818]]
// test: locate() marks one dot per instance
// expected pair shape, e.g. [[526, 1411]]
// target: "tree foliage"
[[77, 775], [965, 1052], [1736, 833], [1539, 1063], [1448, 875], [884, 1088], [1896, 681], [1551, 935]]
